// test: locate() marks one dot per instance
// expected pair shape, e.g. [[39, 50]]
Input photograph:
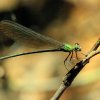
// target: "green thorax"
[[68, 47]]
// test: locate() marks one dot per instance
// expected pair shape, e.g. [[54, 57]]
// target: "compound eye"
[[77, 46], [79, 49]]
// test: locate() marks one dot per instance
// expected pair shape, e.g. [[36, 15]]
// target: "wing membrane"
[[20, 33]]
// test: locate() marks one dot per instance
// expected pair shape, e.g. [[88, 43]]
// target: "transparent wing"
[[70, 63], [20, 33]]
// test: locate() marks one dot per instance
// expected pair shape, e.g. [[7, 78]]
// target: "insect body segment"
[[68, 47], [71, 49]]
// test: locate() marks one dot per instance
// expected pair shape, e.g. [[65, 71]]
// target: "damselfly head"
[[77, 47]]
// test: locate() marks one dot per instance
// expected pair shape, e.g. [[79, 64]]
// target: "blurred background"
[[38, 76]]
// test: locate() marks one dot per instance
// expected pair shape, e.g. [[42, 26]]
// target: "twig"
[[96, 45], [70, 76]]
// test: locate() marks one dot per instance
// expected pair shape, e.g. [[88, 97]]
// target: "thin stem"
[[60, 91], [96, 45]]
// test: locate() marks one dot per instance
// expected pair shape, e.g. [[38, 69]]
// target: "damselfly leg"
[[67, 58], [71, 56], [70, 60], [76, 55]]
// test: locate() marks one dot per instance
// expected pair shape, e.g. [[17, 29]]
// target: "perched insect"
[[21, 33]]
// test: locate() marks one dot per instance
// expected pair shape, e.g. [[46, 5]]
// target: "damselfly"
[[20, 33]]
